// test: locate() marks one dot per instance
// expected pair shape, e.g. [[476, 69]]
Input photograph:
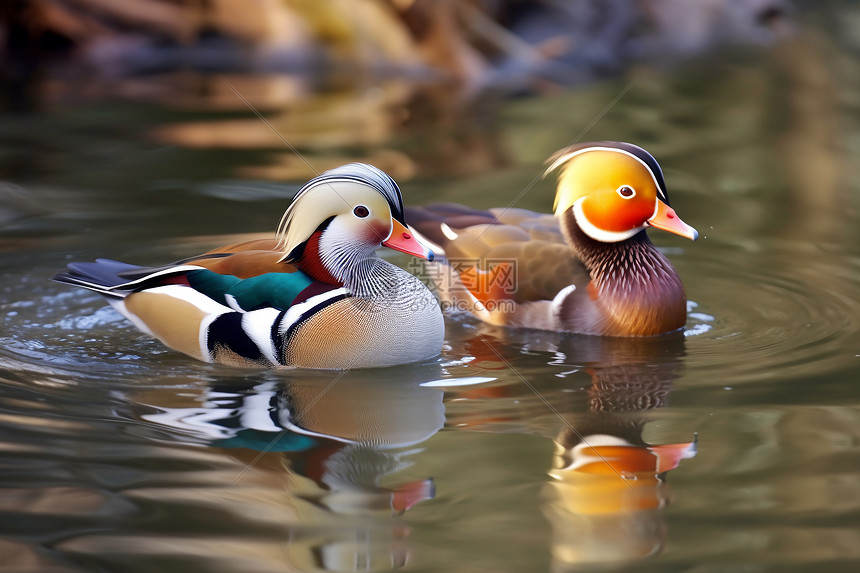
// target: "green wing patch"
[[277, 290]]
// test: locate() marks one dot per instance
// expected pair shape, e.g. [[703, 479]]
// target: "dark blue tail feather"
[[103, 276]]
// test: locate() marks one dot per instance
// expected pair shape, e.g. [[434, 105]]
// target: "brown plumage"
[[244, 260], [590, 268]]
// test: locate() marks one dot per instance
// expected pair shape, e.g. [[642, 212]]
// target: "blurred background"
[[418, 87]]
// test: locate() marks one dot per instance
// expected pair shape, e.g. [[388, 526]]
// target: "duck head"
[[614, 190], [339, 219]]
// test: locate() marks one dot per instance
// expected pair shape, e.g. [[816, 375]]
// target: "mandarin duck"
[[589, 268], [316, 295]]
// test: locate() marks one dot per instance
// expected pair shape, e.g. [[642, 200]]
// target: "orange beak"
[[402, 239], [670, 455], [666, 219]]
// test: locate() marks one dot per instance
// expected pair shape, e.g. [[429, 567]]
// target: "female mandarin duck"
[[315, 296], [588, 269]]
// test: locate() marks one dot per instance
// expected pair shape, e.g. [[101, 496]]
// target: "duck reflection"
[[326, 440], [608, 487], [607, 490]]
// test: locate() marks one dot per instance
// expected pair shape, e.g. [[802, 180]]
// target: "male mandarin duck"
[[589, 268], [316, 295]]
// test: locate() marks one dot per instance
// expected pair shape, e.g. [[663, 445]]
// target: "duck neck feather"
[[357, 267], [634, 283]]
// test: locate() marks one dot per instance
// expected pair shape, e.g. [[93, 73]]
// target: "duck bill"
[[665, 219], [403, 239], [670, 455]]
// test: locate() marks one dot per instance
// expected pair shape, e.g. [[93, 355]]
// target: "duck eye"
[[626, 191], [361, 211]]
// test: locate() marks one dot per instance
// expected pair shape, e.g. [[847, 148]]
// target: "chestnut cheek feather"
[[618, 216]]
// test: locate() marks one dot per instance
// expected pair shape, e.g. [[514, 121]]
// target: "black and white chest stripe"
[[261, 335]]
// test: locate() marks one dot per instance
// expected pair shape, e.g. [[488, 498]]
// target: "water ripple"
[[785, 310]]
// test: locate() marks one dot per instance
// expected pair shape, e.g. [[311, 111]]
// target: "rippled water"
[[732, 446]]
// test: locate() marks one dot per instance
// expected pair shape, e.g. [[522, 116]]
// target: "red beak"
[[402, 239]]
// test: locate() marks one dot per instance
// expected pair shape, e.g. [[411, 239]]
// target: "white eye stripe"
[[626, 192], [596, 232], [661, 192]]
